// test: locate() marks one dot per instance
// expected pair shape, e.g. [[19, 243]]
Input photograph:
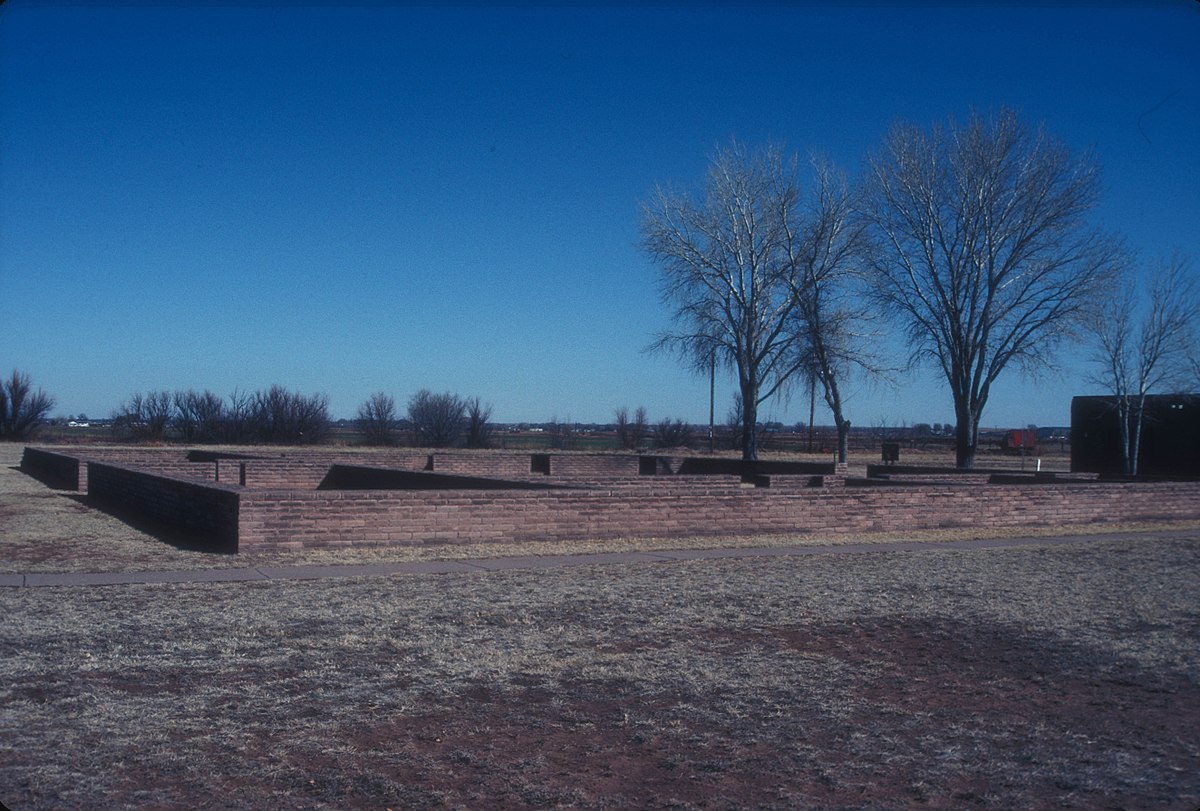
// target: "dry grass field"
[[1023, 677]]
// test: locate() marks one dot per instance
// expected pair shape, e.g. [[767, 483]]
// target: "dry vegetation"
[[1024, 677]]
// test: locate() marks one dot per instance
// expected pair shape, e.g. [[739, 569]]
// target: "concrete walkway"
[[233, 575]]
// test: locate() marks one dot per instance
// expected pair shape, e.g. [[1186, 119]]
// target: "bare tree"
[[726, 271], [631, 431], [1143, 344], [734, 419], [438, 419], [982, 250], [157, 409], [21, 408], [479, 426], [145, 416], [238, 422], [829, 319], [377, 419], [198, 415], [183, 419]]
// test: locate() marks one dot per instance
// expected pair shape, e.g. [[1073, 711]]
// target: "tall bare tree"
[[826, 256], [726, 271], [982, 250], [1145, 342]]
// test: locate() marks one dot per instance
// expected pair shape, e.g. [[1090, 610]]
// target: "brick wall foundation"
[[208, 511], [56, 469], [350, 518], [274, 503]]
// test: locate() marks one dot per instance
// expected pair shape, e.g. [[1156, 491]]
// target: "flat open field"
[[1024, 677]]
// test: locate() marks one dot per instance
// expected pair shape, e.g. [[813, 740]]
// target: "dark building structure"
[[1170, 443]]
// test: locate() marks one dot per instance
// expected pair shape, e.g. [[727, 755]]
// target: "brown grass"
[[1030, 677]]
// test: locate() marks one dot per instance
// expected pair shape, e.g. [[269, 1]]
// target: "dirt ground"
[[1024, 677]]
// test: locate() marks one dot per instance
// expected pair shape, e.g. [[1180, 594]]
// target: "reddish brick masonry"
[[273, 503], [307, 519]]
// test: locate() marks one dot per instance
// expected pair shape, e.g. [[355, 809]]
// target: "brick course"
[[279, 506], [351, 518]]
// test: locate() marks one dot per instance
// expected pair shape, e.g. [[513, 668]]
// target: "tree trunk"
[[812, 410], [843, 440], [749, 423], [833, 398], [1136, 445], [966, 439], [1124, 418]]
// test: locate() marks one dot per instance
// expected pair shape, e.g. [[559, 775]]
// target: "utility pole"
[[812, 408], [712, 402]]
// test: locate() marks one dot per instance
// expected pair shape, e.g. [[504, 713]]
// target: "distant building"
[[1170, 443]]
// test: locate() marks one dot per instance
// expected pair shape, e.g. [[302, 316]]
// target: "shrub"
[[21, 408], [281, 416], [672, 434]]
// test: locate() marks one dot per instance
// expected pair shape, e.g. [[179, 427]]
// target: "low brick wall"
[[498, 465], [686, 508], [57, 469], [719, 465], [510, 465], [280, 507], [67, 466], [275, 474], [593, 466], [361, 477], [206, 512]]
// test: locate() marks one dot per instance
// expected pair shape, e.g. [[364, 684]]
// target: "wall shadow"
[[47, 477], [169, 534]]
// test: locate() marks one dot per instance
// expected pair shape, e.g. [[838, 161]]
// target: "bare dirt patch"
[[1032, 677]]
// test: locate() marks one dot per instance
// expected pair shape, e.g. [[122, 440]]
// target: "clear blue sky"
[[388, 197]]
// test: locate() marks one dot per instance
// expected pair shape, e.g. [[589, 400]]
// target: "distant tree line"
[[635, 432], [432, 420], [275, 415]]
